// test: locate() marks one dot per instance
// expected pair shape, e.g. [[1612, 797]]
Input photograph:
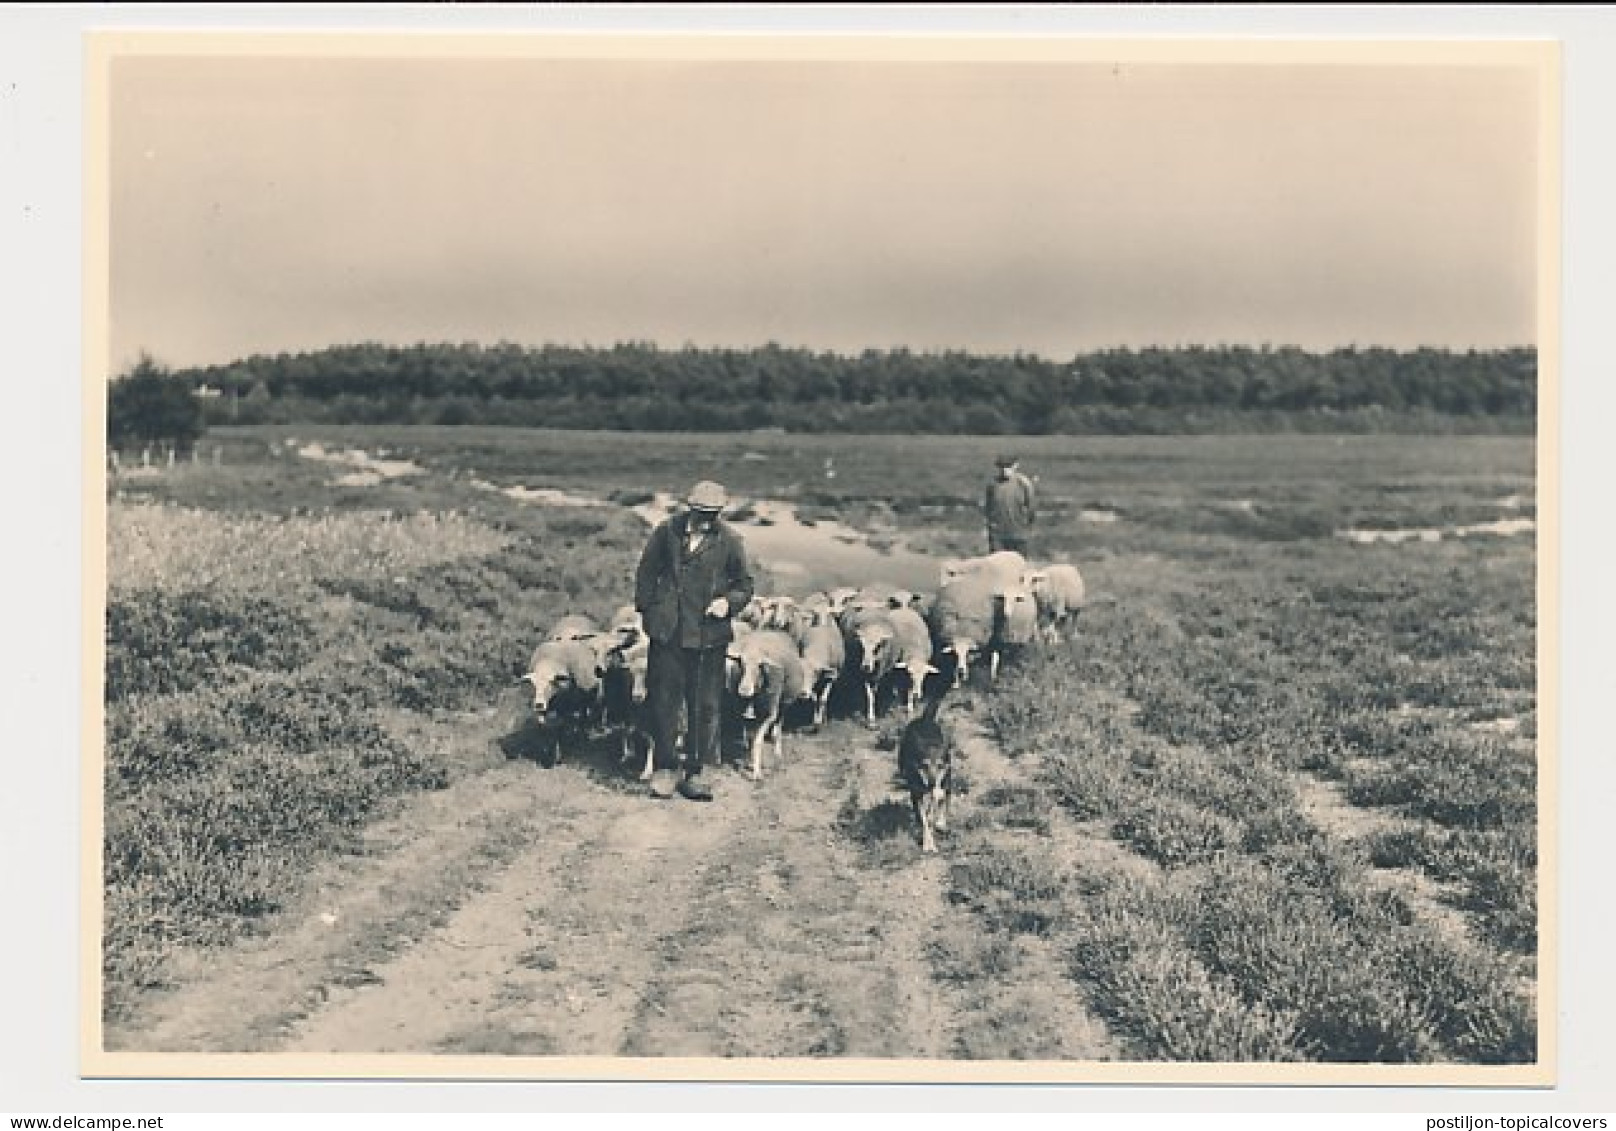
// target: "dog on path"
[[926, 764]]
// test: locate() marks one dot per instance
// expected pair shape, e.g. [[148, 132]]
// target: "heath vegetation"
[[1277, 800]]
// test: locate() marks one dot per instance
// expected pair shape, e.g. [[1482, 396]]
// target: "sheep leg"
[[922, 805], [757, 750], [962, 668], [869, 701]]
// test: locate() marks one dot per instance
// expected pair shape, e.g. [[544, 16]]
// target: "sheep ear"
[[527, 677]]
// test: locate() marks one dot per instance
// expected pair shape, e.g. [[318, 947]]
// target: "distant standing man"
[[1011, 508], [692, 580]]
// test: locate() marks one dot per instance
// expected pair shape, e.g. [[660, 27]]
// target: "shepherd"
[[692, 579], [1011, 507]]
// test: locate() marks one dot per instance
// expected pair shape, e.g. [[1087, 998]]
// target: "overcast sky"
[[269, 204]]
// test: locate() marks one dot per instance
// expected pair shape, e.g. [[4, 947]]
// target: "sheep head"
[[875, 639]]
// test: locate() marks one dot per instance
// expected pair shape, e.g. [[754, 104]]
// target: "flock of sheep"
[[882, 640]]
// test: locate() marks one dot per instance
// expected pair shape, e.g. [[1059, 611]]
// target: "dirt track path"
[[642, 928], [563, 912]]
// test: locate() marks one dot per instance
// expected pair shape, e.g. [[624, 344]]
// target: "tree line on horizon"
[[643, 387]]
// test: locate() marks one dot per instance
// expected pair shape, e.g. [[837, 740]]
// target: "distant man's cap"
[[1005, 461], [707, 496]]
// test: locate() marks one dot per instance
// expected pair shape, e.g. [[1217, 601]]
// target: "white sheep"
[[975, 614], [823, 653], [1061, 595], [573, 627], [771, 679], [627, 625], [1005, 566], [867, 634], [839, 597], [962, 619], [911, 653], [1015, 625], [752, 615], [623, 684], [566, 679], [816, 608], [784, 615]]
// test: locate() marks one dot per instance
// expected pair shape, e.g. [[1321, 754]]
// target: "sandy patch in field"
[[541, 496], [1504, 527], [1325, 804], [368, 470], [803, 556]]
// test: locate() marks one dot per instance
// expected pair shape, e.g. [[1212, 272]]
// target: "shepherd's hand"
[[719, 607]]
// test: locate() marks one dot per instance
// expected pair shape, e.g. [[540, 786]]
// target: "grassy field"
[[1277, 801]]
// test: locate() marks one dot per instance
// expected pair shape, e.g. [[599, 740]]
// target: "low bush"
[[1013, 891], [1089, 789], [1475, 1001], [1495, 870], [1153, 991], [1268, 937], [1502, 894], [1017, 806], [1174, 833], [1282, 943], [162, 642], [245, 732], [973, 958], [1460, 781]]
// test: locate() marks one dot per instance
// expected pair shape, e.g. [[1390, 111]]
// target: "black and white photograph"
[[775, 558]]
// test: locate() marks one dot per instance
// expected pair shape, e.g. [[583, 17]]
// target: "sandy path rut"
[[744, 927], [541, 912]]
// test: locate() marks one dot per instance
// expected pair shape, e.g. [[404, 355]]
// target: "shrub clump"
[[1153, 990], [1174, 833], [160, 643], [1013, 890]]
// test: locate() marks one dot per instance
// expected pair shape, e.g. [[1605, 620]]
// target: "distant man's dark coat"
[[1011, 511], [673, 587]]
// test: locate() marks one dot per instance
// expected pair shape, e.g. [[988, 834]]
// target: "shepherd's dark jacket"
[[1011, 507], [673, 588]]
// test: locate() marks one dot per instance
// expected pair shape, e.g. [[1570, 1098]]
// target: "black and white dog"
[[926, 764]]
